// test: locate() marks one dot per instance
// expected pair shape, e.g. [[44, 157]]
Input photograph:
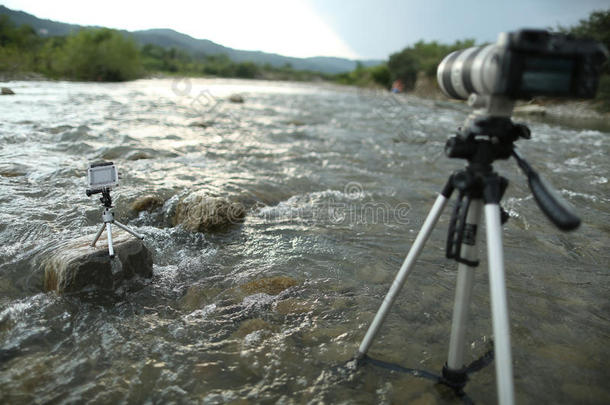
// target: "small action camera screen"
[[102, 176]]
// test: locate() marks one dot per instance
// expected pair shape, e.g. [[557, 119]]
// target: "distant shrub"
[[99, 55], [597, 27], [381, 75]]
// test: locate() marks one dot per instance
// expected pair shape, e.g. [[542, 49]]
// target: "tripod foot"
[[455, 379]]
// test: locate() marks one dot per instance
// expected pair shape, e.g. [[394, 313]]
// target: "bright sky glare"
[[355, 29]]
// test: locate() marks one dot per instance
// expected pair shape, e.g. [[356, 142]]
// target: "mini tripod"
[[108, 218], [488, 135]]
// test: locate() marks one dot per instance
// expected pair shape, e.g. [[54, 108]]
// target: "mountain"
[[169, 38]]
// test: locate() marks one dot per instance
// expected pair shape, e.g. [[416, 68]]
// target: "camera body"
[[100, 176], [524, 64]]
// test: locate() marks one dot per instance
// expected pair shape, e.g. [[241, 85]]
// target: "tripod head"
[[488, 135], [105, 199]]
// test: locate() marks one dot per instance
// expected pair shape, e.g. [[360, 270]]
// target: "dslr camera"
[[524, 64]]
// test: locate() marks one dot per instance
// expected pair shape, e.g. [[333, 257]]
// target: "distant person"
[[397, 86]]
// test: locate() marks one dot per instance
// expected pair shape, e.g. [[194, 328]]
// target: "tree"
[[101, 55], [596, 27], [404, 66]]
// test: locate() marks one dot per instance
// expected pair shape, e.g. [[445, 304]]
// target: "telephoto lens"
[[470, 70]]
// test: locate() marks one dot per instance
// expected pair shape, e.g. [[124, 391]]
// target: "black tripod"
[[108, 219], [484, 139]]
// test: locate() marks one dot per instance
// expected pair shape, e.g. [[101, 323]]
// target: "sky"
[[356, 29]]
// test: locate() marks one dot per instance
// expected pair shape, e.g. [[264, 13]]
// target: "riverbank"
[[572, 113]]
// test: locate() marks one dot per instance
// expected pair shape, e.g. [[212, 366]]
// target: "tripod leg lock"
[[460, 232]]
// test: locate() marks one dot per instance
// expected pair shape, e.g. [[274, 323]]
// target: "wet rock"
[[76, 266], [6, 91], [208, 370], [12, 170], [201, 124], [268, 285], [147, 203], [530, 109], [236, 98], [138, 155], [199, 212], [296, 123]]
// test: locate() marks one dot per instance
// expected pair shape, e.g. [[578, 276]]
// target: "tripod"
[[487, 135], [108, 219]]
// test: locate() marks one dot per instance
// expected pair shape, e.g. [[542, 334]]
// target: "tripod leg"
[[499, 306], [126, 229], [406, 267], [110, 248], [98, 234], [463, 291]]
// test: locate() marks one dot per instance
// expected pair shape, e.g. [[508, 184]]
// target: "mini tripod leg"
[[98, 234], [110, 248], [499, 306], [463, 293], [126, 229], [406, 267]]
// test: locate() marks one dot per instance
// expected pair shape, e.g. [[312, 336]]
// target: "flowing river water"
[[336, 182]]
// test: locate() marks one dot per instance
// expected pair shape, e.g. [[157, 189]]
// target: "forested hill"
[[168, 38]]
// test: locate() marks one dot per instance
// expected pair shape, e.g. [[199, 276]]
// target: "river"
[[336, 182]]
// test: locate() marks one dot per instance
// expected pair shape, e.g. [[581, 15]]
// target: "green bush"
[[381, 75], [421, 57], [100, 55], [404, 66], [597, 27]]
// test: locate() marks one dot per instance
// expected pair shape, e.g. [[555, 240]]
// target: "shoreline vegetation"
[[102, 54]]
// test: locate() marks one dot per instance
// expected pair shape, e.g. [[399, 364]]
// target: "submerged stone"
[[199, 212], [292, 306], [147, 203], [201, 124], [76, 266], [198, 296], [252, 325], [6, 91], [268, 285], [236, 98]]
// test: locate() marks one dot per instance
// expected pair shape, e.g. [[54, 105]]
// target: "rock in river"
[[148, 202], [6, 91], [76, 266], [199, 212], [236, 98]]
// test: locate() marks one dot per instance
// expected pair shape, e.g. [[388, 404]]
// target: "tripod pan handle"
[[558, 210]]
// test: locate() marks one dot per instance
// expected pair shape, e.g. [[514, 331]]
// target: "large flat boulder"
[[76, 266], [199, 212]]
